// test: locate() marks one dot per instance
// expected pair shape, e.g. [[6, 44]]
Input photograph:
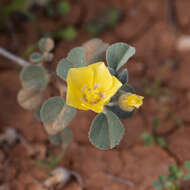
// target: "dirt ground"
[[154, 27]]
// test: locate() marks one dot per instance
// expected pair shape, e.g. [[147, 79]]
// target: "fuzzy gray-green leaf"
[[62, 68], [30, 98], [36, 57], [46, 44], [63, 119], [118, 54], [106, 130], [123, 76], [34, 75], [94, 50], [51, 109], [74, 59]]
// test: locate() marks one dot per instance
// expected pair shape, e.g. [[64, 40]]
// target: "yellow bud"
[[129, 101]]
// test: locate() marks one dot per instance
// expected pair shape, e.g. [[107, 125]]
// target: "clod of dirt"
[[183, 43], [58, 176], [61, 176], [10, 136]]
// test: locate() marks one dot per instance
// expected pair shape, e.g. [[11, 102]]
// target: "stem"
[[13, 57]]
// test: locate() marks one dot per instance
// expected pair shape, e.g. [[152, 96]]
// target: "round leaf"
[[118, 54], [61, 121], [46, 44], [36, 57], [34, 75], [123, 76], [162, 142], [94, 49], [62, 68], [30, 98], [74, 59], [51, 109], [68, 33], [106, 130], [64, 7]]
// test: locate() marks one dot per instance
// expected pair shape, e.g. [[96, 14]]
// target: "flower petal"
[[116, 85], [102, 75], [96, 107], [74, 96], [80, 77]]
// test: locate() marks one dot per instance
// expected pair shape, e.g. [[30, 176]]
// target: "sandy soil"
[[154, 28]]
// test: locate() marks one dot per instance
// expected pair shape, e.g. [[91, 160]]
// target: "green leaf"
[[46, 44], [106, 130], [127, 88], [175, 172], [34, 75], [36, 57], [168, 185], [51, 109], [187, 177], [157, 185], [187, 165], [173, 169], [63, 67], [94, 49], [123, 76], [61, 121], [68, 33], [162, 178], [147, 138], [112, 71], [119, 112], [64, 7], [161, 141], [64, 137], [74, 59], [118, 54]]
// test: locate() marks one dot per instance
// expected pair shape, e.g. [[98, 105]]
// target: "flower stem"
[[13, 57]]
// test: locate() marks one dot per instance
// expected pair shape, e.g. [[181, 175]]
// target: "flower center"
[[92, 95]]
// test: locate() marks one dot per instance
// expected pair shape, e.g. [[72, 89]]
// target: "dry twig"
[[13, 57]]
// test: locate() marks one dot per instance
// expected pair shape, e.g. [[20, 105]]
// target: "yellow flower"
[[91, 87], [129, 101]]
